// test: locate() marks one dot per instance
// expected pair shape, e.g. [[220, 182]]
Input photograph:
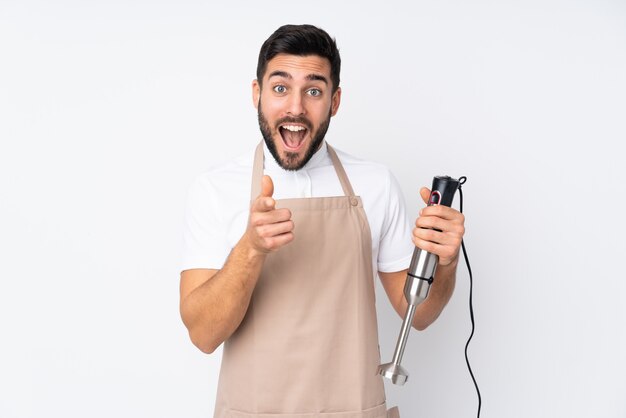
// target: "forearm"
[[215, 308], [438, 296]]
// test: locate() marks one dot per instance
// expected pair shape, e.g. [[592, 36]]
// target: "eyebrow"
[[311, 77], [317, 77]]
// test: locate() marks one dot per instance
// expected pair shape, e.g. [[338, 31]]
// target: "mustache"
[[290, 119]]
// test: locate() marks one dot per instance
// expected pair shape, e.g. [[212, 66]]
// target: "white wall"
[[109, 109]]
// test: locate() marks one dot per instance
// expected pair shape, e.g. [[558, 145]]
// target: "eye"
[[315, 92], [280, 89]]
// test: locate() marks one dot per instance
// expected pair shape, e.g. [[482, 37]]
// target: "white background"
[[108, 110]]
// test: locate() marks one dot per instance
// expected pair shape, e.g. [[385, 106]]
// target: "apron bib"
[[308, 344]]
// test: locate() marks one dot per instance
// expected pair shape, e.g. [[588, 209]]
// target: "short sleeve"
[[205, 243], [396, 246]]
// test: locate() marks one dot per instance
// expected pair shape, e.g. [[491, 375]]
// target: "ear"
[[335, 101], [256, 93]]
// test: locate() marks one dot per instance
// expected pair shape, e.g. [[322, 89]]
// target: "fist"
[[439, 230], [268, 228]]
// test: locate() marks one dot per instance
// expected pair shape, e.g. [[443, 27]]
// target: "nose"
[[295, 105]]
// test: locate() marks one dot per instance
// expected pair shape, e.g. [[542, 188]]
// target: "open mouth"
[[293, 136]]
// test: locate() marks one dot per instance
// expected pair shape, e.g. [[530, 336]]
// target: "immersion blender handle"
[[443, 190], [423, 263]]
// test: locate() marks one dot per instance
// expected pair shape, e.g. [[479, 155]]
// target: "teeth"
[[293, 128]]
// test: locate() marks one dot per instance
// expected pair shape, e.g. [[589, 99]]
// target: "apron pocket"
[[379, 411]]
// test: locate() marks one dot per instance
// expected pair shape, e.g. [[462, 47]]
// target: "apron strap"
[[341, 173], [257, 172]]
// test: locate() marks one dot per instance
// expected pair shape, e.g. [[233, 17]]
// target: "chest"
[[321, 182]]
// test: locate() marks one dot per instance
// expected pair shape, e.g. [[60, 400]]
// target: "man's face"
[[295, 106]]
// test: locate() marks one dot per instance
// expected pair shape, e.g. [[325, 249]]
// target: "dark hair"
[[300, 40]]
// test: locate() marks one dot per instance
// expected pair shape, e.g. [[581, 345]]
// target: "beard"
[[291, 162]]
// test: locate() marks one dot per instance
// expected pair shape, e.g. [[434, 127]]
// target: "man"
[[284, 276]]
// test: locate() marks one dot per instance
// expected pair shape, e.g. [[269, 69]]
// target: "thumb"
[[425, 194], [267, 186]]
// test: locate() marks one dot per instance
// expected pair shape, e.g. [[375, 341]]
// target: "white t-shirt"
[[218, 205]]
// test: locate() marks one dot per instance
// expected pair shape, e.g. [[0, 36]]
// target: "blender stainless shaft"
[[418, 280], [416, 287]]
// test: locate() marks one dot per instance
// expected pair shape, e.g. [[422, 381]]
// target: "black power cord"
[[462, 181]]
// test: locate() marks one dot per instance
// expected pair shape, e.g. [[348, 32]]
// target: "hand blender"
[[418, 281]]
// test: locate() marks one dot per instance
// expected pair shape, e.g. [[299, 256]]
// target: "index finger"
[[440, 211], [263, 204]]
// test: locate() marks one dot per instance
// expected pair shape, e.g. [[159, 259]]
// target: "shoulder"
[[356, 162], [221, 193], [224, 179], [367, 177]]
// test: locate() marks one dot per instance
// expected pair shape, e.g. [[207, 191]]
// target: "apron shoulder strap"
[[341, 173], [257, 172]]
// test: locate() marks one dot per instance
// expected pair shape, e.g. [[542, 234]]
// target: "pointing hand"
[[268, 228]]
